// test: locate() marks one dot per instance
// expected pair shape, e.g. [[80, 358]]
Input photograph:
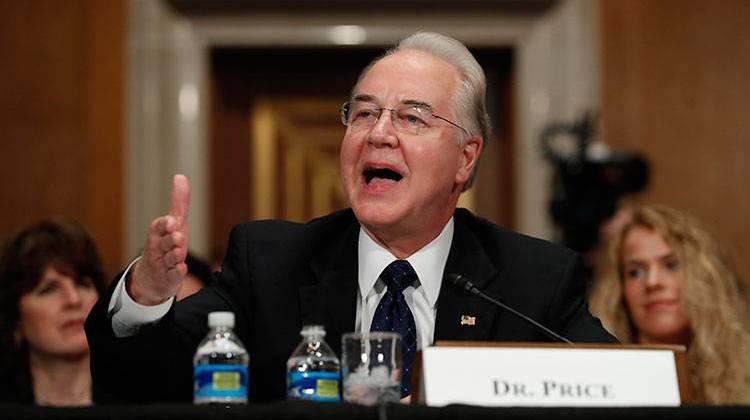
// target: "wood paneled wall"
[[676, 86], [61, 116]]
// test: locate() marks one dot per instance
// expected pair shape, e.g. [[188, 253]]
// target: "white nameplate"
[[494, 376]]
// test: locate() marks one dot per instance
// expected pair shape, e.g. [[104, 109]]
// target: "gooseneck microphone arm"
[[461, 282]]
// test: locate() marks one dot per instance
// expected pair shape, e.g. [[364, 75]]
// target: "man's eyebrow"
[[363, 98], [369, 98], [416, 103]]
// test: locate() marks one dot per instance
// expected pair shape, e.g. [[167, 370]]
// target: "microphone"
[[464, 284]]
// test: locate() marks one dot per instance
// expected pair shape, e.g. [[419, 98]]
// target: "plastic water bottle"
[[220, 364], [313, 369]]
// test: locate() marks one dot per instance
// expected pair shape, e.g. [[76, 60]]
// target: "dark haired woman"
[[50, 278]]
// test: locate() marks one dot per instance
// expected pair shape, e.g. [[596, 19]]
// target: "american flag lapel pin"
[[468, 320]]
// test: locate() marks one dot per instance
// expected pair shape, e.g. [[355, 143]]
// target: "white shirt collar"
[[428, 262]]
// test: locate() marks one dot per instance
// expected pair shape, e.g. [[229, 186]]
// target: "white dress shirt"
[[421, 296], [429, 264], [127, 314]]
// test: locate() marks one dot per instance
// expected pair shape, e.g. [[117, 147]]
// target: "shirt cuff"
[[128, 315]]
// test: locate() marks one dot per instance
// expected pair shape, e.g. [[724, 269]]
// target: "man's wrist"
[[128, 315], [131, 288]]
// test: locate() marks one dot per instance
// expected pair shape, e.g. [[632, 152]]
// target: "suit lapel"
[[331, 298], [459, 316]]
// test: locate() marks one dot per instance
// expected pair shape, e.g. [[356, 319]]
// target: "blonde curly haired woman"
[[667, 281]]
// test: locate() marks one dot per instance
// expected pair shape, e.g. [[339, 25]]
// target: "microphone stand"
[[467, 286]]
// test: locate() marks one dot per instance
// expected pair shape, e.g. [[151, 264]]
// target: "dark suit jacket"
[[278, 276]]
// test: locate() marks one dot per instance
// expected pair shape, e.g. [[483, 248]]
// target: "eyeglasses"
[[410, 119]]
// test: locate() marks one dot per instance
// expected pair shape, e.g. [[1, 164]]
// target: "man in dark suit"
[[416, 126]]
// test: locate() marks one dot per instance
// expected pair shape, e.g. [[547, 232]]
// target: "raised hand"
[[158, 275]]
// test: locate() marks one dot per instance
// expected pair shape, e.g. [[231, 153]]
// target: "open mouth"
[[374, 174]]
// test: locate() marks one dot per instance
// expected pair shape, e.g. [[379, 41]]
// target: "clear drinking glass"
[[371, 366]]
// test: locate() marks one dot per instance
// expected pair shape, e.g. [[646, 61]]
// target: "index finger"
[[180, 198]]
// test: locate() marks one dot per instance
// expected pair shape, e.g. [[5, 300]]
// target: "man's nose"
[[383, 133]]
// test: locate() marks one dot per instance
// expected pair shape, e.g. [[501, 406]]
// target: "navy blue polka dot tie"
[[394, 315]]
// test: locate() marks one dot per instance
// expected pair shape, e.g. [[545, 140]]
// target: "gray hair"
[[469, 100]]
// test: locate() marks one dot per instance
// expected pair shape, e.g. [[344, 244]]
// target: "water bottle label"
[[315, 386], [220, 381]]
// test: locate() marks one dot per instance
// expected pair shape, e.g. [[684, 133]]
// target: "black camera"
[[589, 180]]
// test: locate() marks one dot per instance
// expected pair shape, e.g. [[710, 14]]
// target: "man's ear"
[[470, 152]]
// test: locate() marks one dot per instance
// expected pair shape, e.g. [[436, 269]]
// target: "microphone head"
[[458, 281]]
